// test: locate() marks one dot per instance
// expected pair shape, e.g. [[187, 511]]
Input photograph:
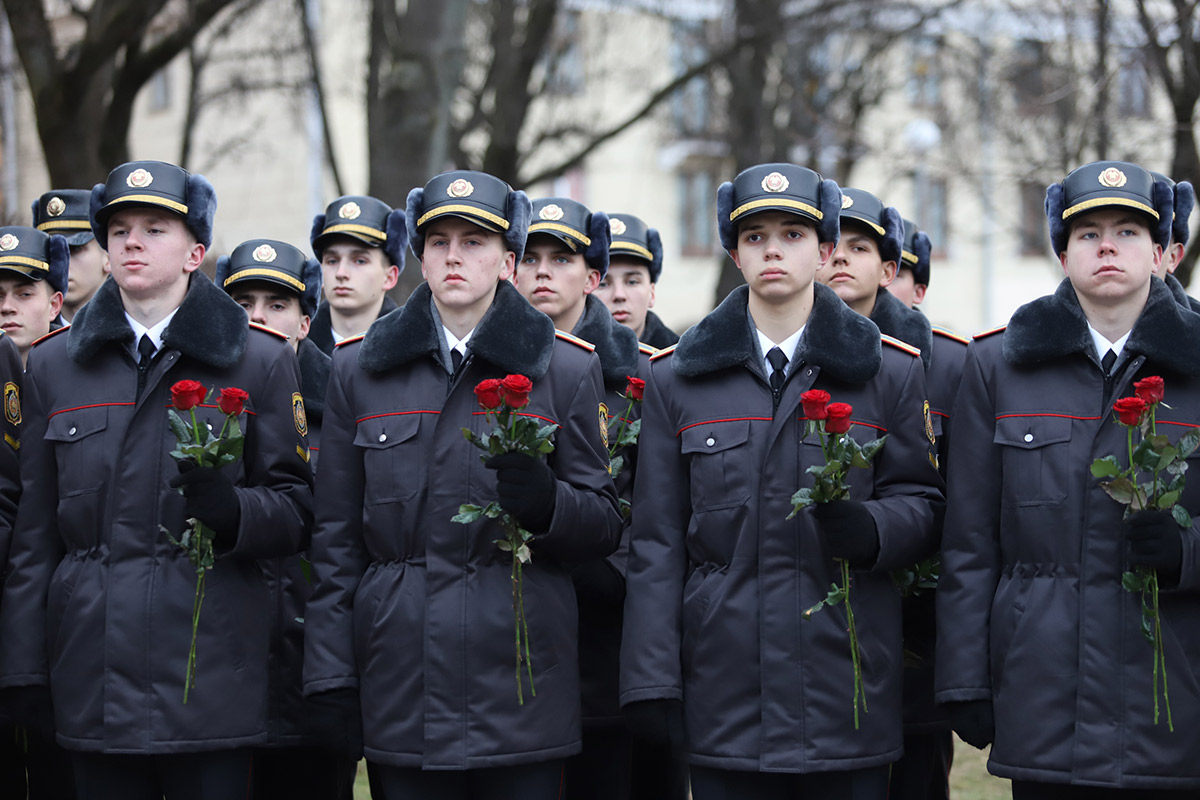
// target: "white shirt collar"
[[1104, 345], [154, 333], [455, 343], [788, 346]]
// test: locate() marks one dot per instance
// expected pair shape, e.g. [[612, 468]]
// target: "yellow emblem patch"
[[929, 424], [298, 414], [604, 423], [12, 403]]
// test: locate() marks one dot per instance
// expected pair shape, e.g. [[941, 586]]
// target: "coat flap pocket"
[[388, 430], [713, 437], [1029, 432], [76, 423]]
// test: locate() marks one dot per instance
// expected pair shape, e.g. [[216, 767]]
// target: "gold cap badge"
[[139, 179], [8, 242], [349, 210], [56, 207], [847, 201], [775, 182], [460, 188], [551, 212], [617, 226], [1113, 178], [264, 252]]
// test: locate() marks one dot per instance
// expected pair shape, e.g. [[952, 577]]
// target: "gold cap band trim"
[[264, 273], [877, 228], [472, 211], [632, 248], [1097, 202], [775, 202], [543, 227], [58, 224], [347, 227], [909, 257], [22, 261], [150, 199]]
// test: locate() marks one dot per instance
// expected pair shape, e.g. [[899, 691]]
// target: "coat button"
[[1029, 437], [383, 437], [710, 441], [72, 431]]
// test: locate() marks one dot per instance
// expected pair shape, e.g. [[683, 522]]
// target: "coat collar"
[[320, 332], [901, 322], [616, 345], [656, 333], [513, 335], [839, 341], [1055, 326], [1180, 294], [209, 326], [314, 377]]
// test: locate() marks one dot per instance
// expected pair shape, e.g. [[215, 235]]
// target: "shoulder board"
[[271, 331], [647, 349], [992, 332], [41, 339], [666, 351], [949, 334], [899, 345], [350, 340], [575, 340]]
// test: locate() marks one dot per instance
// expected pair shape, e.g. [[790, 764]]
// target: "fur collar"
[[314, 377], [209, 326], [1055, 326], [901, 322], [839, 341], [512, 335], [656, 333], [616, 345], [320, 332]]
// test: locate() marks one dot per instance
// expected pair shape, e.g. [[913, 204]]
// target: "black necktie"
[[455, 360], [1107, 362], [146, 350], [778, 368]]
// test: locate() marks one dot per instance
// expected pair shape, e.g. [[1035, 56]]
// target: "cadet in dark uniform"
[[66, 213], [414, 611], [1039, 646], [33, 274], [635, 264], [98, 601], [715, 642], [361, 258]]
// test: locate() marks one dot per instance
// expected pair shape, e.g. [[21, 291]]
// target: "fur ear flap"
[[397, 237], [60, 262], [1164, 204], [520, 209], [654, 243], [202, 206], [311, 276], [1185, 201], [1054, 209], [318, 225], [222, 273], [829, 228], [923, 250], [412, 212], [600, 232], [725, 229], [94, 205], [34, 206], [892, 243]]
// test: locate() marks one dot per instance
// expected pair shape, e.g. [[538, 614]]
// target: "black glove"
[[848, 531], [208, 495], [31, 707], [527, 489], [972, 720], [1155, 540], [657, 722], [335, 721], [598, 586]]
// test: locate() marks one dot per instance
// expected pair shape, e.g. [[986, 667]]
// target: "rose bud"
[[635, 388], [232, 400], [814, 402], [838, 417], [516, 390], [186, 395], [1129, 410], [489, 394], [1149, 389]]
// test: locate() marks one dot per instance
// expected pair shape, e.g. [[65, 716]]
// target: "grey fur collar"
[[1055, 326], [616, 345], [209, 326], [314, 377], [656, 333], [839, 341], [512, 335], [901, 322], [320, 332]]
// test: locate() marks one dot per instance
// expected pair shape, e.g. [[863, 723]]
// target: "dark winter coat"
[[656, 333], [320, 332], [415, 611], [98, 601], [10, 477], [718, 576], [1031, 611]]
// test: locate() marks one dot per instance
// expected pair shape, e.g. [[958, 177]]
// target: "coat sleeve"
[[10, 474], [908, 493], [276, 502], [970, 545], [339, 556], [650, 649]]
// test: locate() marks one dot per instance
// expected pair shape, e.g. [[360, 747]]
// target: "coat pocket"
[[720, 463], [392, 462], [1034, 458], [79, 449]]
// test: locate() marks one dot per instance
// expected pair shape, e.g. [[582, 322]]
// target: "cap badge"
[[551, 212], [9, 242], [847, 201], [617, 226], [1113, 178], [56, 207], [460, 188], [139, 179], [775, 182], [264, 252], [349, 210]]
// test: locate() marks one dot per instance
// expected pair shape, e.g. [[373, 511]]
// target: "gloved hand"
[[209, 496], [973, 721], [335, 721], [658, 722], [598, 586], [1155, 540], [848, 531], [31, 707], [527, 489]]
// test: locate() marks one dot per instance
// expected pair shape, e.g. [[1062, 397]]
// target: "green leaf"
[[182, 431], [1106, 467], [467, 514], [1188, 443], [1132, 582], [307, 570], [1119, 489], [505, 545], [836, 595], [493, 510], [1167, 499], [524, 555], [1182, 517], [616, 465]]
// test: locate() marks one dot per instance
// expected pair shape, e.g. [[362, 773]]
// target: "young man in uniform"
[[98, 602], [65, 212], [716, 646], [1040, 650], [634, 265], [912, 272], [361, 259], [33, 274], [413, 611]]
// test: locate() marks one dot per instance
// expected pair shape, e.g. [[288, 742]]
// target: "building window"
[[1133, 85], [1033, 234], [697, 212], [929, 198], [160, 90], [1028, 75], [924, 77], [564, 62], [690, 104]]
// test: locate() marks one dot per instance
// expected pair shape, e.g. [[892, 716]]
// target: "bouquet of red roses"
[[512, 432], [623, 432], [196, 443]]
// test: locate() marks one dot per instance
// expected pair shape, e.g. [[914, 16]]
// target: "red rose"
[[814, 402], [1129, 410], [1149, 389], [635, 388], [837, 418], [186, 395], [489, 394], [516, 390], [232, 400]]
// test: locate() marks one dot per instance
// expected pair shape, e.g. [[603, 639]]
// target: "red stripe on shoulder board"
[[55, 332], [269, 330], [949, 334], [730, 419], [350, 340], [566, 337], [899, 345], [666, 351], [992, 332]]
